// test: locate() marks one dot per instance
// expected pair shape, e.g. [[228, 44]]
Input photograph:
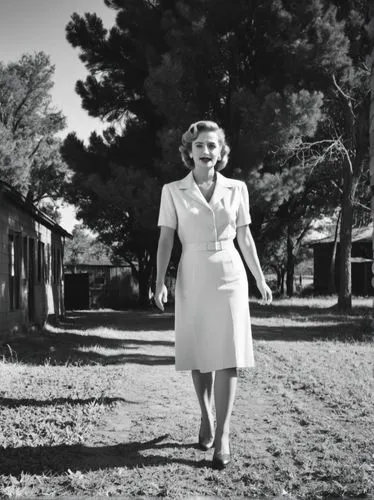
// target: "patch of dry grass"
[[319, 426], [95, 408]]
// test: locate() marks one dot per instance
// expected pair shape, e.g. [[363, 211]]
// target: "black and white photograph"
[[187, 249]]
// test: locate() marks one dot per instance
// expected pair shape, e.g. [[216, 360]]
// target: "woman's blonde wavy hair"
[[192, 134]]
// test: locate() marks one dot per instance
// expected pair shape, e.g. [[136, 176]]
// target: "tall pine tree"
[[270, 72]]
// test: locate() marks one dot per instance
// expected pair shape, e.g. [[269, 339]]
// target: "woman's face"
[[206, 150]]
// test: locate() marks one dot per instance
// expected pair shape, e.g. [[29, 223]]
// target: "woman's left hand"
[[266, 294], [160, 296]]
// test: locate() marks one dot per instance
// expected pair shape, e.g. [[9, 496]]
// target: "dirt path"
[[161, 407]]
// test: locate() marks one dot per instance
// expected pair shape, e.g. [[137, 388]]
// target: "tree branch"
[[356, 203], [18, 109], [359, 204], [35, 149], [346, 96], [303, 232]]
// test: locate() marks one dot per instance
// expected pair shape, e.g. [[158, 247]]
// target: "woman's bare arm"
[[249, 252], [165, 246]]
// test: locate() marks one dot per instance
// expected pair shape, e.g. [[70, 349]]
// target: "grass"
[[94, 407]]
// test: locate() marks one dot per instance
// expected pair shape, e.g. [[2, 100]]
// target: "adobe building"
[[31, 263]]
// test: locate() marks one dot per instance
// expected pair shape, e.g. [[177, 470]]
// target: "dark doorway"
[[31, 280], [76, 291]]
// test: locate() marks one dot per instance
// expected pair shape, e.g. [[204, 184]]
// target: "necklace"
[[204, 186]]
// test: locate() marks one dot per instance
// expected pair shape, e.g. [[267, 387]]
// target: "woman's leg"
[[224, 396], [203, 383]]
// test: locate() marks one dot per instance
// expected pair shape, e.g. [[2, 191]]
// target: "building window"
[[41, 262], [15, 263]]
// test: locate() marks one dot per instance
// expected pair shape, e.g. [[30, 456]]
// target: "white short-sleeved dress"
[[212, 322]]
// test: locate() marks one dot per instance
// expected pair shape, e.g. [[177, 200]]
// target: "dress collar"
[[188, 183]]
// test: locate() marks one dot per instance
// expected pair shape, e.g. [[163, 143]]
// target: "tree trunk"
[[282, 281], [371, 123], [345, 288], [144, 276], [352, 170], [146, 259], [332, 285], [279, 279], [290, 265]]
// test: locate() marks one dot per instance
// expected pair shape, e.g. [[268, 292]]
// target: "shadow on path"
[[89, 338], [99, 337], [132, 320], [15, 403], [297, 311], [347, 332], [74, 350], [66, 458], [302, 323]]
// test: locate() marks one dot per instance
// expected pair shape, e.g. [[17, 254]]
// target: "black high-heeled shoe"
[[205, 444], [221, 460]]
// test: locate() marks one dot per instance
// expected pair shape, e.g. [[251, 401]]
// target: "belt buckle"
[[214, 245]]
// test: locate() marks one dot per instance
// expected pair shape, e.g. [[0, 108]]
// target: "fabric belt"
[[209, 246]]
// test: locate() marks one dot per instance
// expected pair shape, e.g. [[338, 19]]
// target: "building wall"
[[360, 271], [31, 285]]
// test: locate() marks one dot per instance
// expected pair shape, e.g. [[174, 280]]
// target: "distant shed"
[[31, 259], [361, 262], [93, 286]]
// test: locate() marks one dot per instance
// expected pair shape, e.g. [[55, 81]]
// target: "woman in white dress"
[[212, 324]]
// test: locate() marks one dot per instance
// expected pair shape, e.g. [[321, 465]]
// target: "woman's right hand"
[[161, 296]]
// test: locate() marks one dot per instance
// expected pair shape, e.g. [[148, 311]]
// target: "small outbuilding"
[[31, 263], [361, 262], [99, 285]]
